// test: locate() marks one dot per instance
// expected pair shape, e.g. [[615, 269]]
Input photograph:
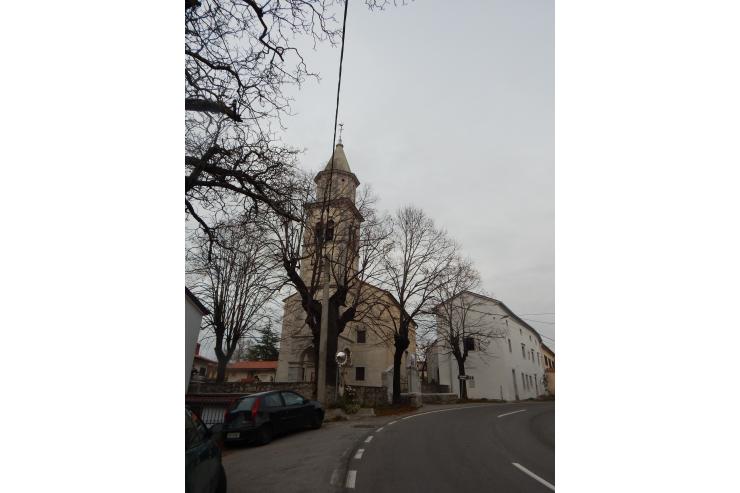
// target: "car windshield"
[[244, 404]]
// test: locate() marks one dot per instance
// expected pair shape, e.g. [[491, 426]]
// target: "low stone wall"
[[412, 399], [448, 398], [435, 388], [303, 388], [371, 396], [367, 396]]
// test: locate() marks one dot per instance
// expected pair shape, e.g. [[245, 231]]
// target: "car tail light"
[[255, 408]]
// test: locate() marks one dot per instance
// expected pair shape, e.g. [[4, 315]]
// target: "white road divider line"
[[393, 422], [359, 453], [351, 478], [369, 439], [334, 478], [533, 475], [379, 429], [512, 412]]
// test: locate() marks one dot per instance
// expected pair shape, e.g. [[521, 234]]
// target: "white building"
[[194, 313], [510, 368]]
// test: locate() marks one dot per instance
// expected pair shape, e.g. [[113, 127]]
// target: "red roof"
[[203, 358], [254, 365]]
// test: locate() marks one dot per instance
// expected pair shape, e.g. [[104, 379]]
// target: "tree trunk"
[[401, 344], [315, 383], [463, 383], [397, 355], [221, 373]]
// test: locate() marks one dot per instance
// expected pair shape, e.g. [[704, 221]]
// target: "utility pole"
[[323, 335]]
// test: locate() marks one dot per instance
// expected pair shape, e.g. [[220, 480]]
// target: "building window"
[[319, 232], [469, 343], [524, 382], [361, 336], [202, 371], [520, 331], [523, 353], [359, 373], [329, 230], [509, 341], [530, 337]]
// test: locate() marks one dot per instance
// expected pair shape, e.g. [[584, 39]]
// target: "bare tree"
[[424, 346], [236, 280], [461, 324], [239, 59], [413, 270]]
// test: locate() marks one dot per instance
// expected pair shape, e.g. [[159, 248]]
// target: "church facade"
[[369, 338]]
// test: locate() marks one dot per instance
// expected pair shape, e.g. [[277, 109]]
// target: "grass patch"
[[390, 410]]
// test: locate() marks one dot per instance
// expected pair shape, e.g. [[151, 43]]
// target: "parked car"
[[204, 472], [259, 417]]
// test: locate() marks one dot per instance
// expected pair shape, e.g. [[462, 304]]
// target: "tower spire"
[[341, 127]]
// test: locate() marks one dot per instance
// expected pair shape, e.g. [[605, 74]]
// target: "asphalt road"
[[455, 448], [466, 449]]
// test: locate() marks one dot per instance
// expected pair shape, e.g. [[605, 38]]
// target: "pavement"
[[457, 448]]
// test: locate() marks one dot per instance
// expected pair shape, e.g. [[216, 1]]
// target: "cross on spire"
[[341, 127]]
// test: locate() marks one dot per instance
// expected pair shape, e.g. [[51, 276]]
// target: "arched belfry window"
[[329, 230], [319, 232]]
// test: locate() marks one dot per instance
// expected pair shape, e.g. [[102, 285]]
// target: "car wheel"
[[221, 485], [316, 420], [265, 435]]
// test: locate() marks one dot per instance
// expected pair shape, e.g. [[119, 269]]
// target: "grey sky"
[[451, 109]]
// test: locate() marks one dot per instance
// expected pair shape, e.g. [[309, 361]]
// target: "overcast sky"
[[452, 110]]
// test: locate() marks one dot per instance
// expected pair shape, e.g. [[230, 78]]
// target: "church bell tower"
[[333, 220]]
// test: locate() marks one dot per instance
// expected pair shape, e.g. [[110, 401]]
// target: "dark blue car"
[[259, 417], [204, 472]]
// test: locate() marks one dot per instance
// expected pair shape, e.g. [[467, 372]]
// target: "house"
[[510, 367], [549, 361], [194, 313], [203, 368], [251, 371], [369, 339]]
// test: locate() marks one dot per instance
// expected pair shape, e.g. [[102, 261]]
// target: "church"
[[368, 339]]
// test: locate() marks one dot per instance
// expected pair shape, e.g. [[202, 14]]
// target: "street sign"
[[465, 377]]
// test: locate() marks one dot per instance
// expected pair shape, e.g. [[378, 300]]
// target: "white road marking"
[[512, 412], [533, 475], [334, 478], [351, 478], [393, 422], [359, 453], [379, 429], [369, 439]]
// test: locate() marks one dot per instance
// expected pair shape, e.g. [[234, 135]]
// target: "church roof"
[[340, 160]]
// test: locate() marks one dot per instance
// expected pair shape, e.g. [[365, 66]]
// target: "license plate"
[[232, 435]]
